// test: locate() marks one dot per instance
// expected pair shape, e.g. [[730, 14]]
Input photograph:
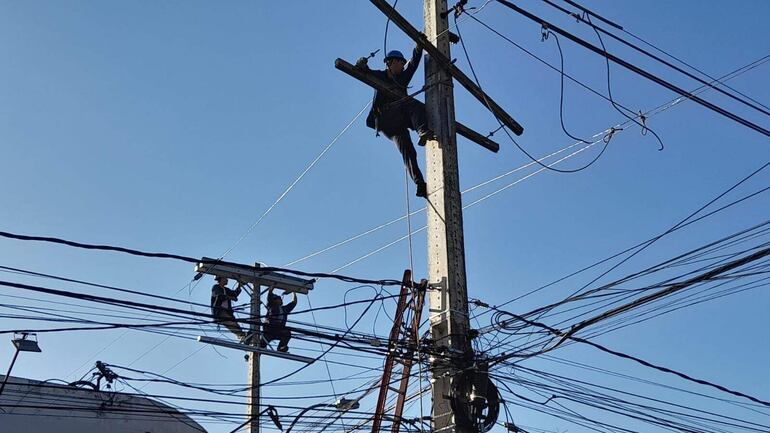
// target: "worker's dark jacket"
[[221, 301], [382, 99], [277, 314]]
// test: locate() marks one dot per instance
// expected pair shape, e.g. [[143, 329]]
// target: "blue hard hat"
[[394, 54]]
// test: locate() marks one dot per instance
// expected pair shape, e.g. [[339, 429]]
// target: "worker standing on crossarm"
[[275, 321], [222, 306], [394, 116]]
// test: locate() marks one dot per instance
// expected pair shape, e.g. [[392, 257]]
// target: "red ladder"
[[405, 358]]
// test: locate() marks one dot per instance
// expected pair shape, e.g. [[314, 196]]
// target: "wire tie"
[[606, 139], [458, 10], [643, 120], [544, 32]]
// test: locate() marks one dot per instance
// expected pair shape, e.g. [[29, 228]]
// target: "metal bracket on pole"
[[252, 275], [255, 349]]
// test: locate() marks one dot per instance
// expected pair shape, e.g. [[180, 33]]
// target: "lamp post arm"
[[8, 373]]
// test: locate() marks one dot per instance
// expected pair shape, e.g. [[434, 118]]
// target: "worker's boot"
[[422, 190], [425, 135]]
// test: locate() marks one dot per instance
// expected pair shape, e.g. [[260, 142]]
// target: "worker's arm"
[[414, 63], [231, 294], [290, 306], [237, 291]]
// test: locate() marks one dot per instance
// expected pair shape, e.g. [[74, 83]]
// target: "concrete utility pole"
[[252, 400], [449, 324]]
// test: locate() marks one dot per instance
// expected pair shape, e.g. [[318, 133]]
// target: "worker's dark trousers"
[[227, 319], [395, 123], [271, 333]]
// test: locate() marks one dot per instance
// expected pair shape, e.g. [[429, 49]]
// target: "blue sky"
[[172, 126]]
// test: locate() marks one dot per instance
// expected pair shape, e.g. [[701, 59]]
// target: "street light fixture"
[[346, 404], [24, 342]]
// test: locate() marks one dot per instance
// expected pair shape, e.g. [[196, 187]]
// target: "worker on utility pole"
[[275, 321], [222, 306], [395, 116]]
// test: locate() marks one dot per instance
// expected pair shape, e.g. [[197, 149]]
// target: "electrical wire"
[[559, 333], [637, 70], [101, 286], [505, 130], [296, 181], [675, 227], [192, 259], [639, 123], [586, 19], [561, 87], [661, 108]]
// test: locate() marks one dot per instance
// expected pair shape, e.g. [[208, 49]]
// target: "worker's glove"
[[362, 62]]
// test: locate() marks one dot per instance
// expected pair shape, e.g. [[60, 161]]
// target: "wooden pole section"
[[449, 324], [383, 86], [442, 59], [253, 399]]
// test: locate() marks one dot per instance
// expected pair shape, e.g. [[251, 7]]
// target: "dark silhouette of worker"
[[394, 116], [222, 306], [275, 321]]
